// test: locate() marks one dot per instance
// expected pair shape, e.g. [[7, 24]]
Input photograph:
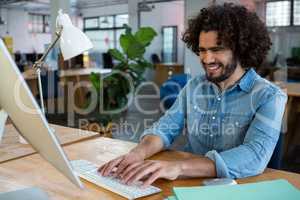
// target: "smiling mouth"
[[213, 68]]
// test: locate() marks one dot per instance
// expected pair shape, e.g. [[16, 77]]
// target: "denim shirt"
[[238, 128]]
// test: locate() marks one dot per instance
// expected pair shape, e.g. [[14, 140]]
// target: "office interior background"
[[28, 27]]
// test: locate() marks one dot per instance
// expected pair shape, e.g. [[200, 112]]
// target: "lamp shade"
[[72, 41]]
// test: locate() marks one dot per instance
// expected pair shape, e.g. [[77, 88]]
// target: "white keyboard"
[[89, 171]]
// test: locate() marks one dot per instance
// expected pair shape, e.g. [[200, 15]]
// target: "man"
[[233, 116]]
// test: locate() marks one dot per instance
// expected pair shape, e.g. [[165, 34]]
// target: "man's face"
[[218, 61]]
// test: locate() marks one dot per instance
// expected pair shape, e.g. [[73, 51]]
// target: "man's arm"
[[252, 157], [150, 170], [154, 139], [197, 167], [149, 145]]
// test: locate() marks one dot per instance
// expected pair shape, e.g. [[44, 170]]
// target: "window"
[[278, 13], [105, 31], [297, 12], [39, 23], [121, 20], [169, 52], [102, 40], [283, 13], [91, 22]]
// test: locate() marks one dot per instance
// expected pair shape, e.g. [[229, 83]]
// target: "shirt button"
[[195, 107], [219, 99], [236, 123], [213, 117], [211, 135]]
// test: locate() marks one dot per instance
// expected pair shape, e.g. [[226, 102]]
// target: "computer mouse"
[[219, 181]]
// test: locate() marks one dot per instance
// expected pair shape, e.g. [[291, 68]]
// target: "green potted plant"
[[113, 90]]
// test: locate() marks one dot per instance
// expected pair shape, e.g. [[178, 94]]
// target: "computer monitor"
[[18, 102]]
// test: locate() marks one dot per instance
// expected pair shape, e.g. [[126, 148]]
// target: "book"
[[267, 190]]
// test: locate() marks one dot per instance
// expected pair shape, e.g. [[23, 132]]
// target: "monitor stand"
[[3, 118], [24, 194], [31, 193]]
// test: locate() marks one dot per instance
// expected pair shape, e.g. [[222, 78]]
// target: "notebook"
[[268, 190]]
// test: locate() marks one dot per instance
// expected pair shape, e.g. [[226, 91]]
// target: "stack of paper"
[[267, 190]]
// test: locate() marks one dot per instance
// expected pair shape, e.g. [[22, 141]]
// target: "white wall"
[[165, 14], [23, 41]]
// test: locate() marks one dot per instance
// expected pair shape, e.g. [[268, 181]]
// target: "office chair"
[[276, 159], [155, 58], [107, 61], [171, 88]]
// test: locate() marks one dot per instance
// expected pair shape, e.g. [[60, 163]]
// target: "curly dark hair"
[[238, 29]]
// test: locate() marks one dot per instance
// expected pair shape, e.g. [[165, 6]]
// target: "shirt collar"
[[247, 81]]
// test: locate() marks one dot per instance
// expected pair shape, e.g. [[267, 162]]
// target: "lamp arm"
[[40, 62], [38, 65]]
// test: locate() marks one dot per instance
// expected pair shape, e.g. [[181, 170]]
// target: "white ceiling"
[[39, 5], [45, 4]]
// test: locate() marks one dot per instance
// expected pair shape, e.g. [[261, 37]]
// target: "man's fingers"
[[129, 174], [110, 166], [102, 168], [129, 168], [122, 166], [142, 172], [155, 175], [135, 170]]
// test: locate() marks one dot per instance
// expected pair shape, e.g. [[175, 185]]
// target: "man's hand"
[[120, 163], [150, 170]]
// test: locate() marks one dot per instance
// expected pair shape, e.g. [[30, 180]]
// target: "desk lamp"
[[72, 43]]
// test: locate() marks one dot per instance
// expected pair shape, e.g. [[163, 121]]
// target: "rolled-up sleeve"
[[253, 155], [171, 123]]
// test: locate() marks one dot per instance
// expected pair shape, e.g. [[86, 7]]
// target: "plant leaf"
[[95, 79], [132, 47], [145, 35], [145, 64], [126, 40], [135, 50], [117, 54], [127, 29]]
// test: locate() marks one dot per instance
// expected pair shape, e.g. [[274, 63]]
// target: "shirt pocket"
[[234, 129]]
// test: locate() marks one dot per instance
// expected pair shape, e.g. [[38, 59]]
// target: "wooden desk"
[[31, 79], [293, 89], [11, 148], [82, 72], [34, 171], [69, 77], [79, 80]]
